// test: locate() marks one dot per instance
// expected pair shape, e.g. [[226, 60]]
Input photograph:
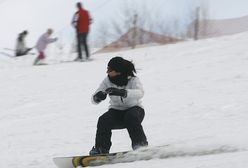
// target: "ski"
[[7, 54]]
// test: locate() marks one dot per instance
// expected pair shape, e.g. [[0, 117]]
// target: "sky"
[[36, 16], [195, 100], [228, 8]]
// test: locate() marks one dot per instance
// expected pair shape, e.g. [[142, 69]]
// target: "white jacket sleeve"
[[103, 86], [75, 19], [136, 91], [50, 40]]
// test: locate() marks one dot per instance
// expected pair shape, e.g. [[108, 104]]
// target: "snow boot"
[[98, 151]]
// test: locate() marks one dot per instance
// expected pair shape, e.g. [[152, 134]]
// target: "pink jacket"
[[43, 41]]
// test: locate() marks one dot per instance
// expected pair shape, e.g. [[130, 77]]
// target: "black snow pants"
[[119, 119]]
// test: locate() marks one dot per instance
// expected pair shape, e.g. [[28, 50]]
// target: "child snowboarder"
[[125, 111]]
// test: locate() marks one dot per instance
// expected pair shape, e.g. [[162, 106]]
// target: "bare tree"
[[204, 14], [179, 26], [131, 17], [102, 35], [199, 25]]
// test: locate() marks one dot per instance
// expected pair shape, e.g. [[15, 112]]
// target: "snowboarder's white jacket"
[[134, 90]]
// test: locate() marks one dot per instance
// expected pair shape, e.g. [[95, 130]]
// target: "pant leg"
[[26, 51], [79, 49], [108, 121], [18, 54], [133, 119], [84, 43], [39, 57], [23, 52]]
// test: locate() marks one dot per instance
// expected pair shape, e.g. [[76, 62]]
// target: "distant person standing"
[[81, 21], [21, 48], [41, 45]]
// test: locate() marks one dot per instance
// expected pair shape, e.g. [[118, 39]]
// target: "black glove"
[[116, 92], [99, 96]]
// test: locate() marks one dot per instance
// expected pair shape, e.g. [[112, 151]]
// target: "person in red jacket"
[[81, 21]]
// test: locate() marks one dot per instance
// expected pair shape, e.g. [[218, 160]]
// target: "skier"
[[21, 48], [125, 111], [81, 21], [41, 45]]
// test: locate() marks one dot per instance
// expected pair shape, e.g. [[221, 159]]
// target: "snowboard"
[[146, 153], [88, 160]]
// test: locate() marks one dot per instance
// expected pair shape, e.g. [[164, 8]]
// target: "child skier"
[[41, 45]]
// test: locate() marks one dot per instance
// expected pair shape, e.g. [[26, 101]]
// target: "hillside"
[[221, 27], [195, 99]]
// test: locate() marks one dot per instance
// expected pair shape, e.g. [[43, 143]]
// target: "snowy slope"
[[195, 98]]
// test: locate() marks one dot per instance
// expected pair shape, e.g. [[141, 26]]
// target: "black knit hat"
[[117, 64], [25, 32], [123, 66]]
